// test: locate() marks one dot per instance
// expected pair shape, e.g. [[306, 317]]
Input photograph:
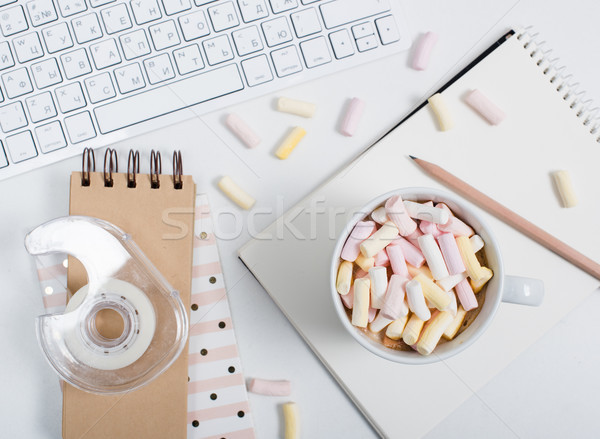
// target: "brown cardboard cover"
[[157, 410]]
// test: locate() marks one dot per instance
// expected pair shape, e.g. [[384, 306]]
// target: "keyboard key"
[[80, 127], [86, 28], [276, 31], [388, 31], [257, 70], [159, 68], [57, 37], [176, 6], [306, 22], [362, 30], [315, 52], [217, 50], [286, 61], [134, 44], [75, 63], [341, 43], [223, 16], [129, 78], [194, 25], [12, 117], [50, 137], [3, 160], [70, 97], [6, 59], [71, 7], [283, 5], [308, 2], [339, 12], [188, 59], [366, 43], [28, 47], [247, 40], [164, 35], [100, 88], [12, 21], [41, 12], [145, 11], [46, 73], [168, 98], [253, 9], [105, 54], [116, 18], [17, 83], [21, 147], [6, 2], [97, 3], [41, 107], [203, 2]]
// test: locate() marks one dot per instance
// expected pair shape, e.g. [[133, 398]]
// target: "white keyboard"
[[88, 73]]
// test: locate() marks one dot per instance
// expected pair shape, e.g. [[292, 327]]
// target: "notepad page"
[[511, 163]]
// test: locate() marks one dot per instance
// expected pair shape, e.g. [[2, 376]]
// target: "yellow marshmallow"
[[344, 278]]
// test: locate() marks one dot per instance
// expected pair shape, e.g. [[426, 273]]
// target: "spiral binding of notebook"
[[564, 82], [217, 398]]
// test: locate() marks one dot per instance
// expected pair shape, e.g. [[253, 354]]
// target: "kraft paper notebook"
[[548, 127], [203, 394]]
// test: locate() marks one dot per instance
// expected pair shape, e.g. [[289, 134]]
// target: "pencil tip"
[[412, 157]]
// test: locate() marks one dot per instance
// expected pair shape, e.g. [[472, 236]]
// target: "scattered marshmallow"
[[290, 142], [291, 420], [486, 108], [297, 107], [236, 193], [242, 130], [562, 180], [441, 111], [422, 53], [270, 387], [352, 117]]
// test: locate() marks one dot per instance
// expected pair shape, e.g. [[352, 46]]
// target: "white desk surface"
[[549, 391]]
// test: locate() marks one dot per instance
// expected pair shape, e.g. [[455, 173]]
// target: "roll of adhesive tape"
[[88, 346]]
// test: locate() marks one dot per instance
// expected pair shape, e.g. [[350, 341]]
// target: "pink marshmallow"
[[412, 254], [451, 254], [270, 388], [394, 297], [348, 299], [397, 261], [372, 314], [396, 212], [486, 108], [423, 50], [361, 231], [352, 117], [242, 130], [465, 295], [454, 225], [382, 259]]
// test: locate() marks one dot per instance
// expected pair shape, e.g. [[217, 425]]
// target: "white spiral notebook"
[[548, 127]]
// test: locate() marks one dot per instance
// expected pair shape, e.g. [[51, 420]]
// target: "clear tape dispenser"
[[120, 279]]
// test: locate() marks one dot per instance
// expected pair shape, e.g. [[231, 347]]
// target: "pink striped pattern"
[[215, 354], [211, 268], [238, 427], [223, 411], [216, 383], [52, 272]]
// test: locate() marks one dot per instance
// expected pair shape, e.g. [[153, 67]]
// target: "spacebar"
[[168, 98]]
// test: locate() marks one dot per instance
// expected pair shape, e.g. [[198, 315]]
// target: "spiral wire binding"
[[568, 89], [155, 169], [109, 155], [133, 168], [88, 164], [177, 170]]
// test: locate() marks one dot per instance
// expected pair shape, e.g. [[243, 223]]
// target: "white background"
[[549, 391]]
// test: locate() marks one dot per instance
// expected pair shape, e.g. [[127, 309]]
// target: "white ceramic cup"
[[501, 288]]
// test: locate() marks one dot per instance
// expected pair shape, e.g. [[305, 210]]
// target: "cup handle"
[[523, 290]]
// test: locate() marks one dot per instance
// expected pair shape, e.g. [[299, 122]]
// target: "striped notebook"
[[217, 399]]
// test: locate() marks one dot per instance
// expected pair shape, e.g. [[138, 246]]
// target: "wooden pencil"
[[511, 218]]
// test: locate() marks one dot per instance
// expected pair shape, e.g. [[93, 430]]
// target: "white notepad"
[[511, 163]]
